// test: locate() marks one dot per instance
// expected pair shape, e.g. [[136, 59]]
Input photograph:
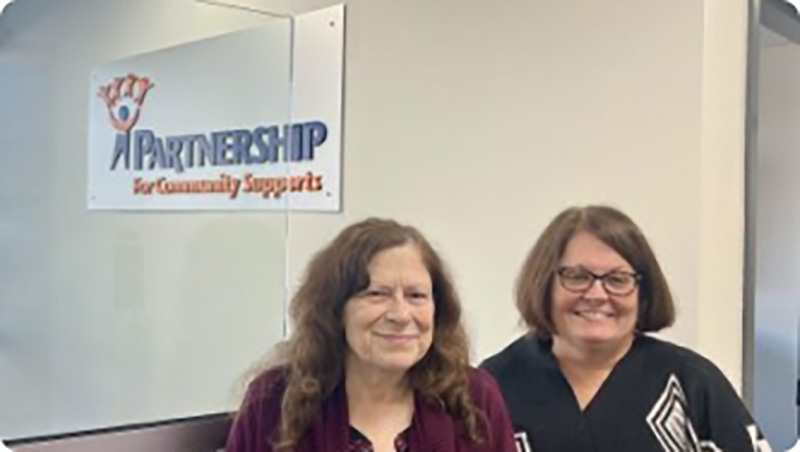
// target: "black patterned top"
[[659, 397]]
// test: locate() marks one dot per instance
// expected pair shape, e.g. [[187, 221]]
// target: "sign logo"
[[124, 98], [141, 150]]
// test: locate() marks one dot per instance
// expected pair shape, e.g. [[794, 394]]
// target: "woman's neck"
[[365, 383], [586, 368], [380, 404], [598, 357]]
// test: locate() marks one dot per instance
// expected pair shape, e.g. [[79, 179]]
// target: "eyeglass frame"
[[637, 279]]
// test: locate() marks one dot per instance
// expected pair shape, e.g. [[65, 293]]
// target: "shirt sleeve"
[[723, 422]]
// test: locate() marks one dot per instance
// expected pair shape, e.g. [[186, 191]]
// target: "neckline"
[[553, 365]]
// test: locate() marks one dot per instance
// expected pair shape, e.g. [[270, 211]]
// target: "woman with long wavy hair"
[[378, 360]]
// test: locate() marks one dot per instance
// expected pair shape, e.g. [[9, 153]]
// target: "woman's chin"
[[396, 364], [598, 337]]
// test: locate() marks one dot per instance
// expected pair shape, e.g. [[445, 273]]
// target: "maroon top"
[[432, 429]]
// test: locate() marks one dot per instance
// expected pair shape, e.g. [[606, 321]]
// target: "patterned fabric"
[[673, 428], [360, 443], [658, 398]]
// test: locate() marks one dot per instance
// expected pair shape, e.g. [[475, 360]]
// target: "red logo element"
[[124, 98]]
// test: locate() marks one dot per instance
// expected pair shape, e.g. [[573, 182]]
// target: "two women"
[[378, 358]]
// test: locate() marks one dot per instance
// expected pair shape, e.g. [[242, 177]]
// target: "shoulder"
[[684, 362], [260, 412], [701, 381], [481, 383], [267, 387], [525, 351], [483, 390], [522, 368]]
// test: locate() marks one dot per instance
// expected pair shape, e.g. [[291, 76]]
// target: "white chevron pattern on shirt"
[[521, 440], [671, 425], [759, 443]]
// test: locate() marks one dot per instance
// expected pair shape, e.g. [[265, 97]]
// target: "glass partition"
[[137, 284]]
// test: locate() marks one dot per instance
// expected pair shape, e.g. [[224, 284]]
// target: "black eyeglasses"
[[579, 280]]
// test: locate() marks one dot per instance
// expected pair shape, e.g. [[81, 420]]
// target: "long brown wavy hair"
[[314, 354]]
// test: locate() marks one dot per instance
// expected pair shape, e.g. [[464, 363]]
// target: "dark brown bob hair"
[[617, 230]]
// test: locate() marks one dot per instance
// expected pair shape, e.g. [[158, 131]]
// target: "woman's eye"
[[418, 297], [617, 280], [579, 276]]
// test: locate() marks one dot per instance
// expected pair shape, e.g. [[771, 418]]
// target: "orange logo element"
[[124, 98]]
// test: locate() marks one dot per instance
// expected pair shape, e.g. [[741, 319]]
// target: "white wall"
[[777, 301], [484, 122], [478, 121], [720, 207]]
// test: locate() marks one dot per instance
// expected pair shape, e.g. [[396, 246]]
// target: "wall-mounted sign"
[[231, 122]]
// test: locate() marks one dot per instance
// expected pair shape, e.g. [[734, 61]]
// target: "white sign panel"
[[218, 124]]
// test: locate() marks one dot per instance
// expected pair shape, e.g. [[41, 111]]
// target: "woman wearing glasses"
[[587, 378]]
